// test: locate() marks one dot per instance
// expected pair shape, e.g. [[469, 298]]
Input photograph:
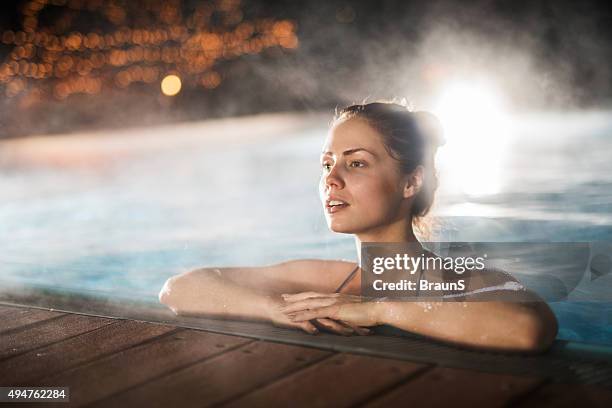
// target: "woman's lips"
[[332, 209]]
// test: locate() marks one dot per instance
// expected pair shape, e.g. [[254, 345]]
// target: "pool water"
[[119, 213]]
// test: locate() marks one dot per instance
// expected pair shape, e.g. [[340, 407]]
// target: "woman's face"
[[360, 176]]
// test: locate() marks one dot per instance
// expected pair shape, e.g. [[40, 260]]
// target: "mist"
[[545, 55]]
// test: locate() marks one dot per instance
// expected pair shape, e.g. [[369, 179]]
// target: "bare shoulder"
[[293, 275], [319, 274], [330, 265]]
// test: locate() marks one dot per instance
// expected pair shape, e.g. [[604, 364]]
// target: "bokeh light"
[[51, 56], [171, 85]]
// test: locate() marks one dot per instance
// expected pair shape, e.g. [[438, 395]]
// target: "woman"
[[378, 183]]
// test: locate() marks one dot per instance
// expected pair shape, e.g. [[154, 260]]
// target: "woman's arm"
[[207, 291], [521, 322], [496, 311], [251, 293], [501, 319], [511, 326]]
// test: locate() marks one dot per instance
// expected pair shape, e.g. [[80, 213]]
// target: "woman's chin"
[[339, 228]]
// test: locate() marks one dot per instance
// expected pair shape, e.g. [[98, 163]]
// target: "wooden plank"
[[136, 365], [220, 378], [8, 309], [26, 368], [19, 317], [341, 381], [568, 395], [442, 387], [47, 332]]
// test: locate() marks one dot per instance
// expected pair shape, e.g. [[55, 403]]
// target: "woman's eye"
[[326, 166], [356, 164]]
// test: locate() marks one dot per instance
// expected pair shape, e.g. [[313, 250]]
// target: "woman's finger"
[[362, 331], [306, 304], [334, 327], [295, 297], [309, 328], [286, 322], [323, 312]]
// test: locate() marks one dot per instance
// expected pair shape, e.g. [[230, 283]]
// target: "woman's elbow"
[[180, 291], [169, 293], [538, 329]]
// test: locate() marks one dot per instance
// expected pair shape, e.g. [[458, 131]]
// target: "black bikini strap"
[[347, 280]]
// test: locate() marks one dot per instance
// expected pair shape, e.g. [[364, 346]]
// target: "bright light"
[[476, 130], [171, 85]]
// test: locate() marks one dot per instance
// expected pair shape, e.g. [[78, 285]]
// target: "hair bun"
[[431, 127]]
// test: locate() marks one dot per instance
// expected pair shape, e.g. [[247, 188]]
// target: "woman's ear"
[[414, 182]]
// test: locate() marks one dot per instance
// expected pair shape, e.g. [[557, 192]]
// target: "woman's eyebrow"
[[351, 151]]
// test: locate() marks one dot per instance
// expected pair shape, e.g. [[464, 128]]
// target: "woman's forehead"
[[352, 134]]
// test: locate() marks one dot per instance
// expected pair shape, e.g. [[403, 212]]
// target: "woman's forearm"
[[207, 292], [493, 325]]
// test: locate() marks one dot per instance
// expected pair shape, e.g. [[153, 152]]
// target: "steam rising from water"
[[126, 211], [549, 55], [538, 55], [155, 202]]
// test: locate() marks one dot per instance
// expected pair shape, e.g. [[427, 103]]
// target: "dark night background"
[[544, 55]]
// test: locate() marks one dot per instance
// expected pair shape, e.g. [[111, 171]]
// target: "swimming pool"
[[120, 212]]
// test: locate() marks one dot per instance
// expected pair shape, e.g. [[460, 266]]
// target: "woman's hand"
[[350, 311], [280, 319]]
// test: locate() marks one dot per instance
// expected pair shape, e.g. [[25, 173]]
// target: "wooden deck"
[[120, 362]]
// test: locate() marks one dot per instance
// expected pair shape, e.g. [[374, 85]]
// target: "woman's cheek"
[[387, 197], [372, 194]]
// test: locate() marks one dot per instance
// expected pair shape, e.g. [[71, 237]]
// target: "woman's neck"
[[398, 232]]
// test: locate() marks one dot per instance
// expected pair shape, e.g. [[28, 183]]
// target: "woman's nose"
[[334, 178]]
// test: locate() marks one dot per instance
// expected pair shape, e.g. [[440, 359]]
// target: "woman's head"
[[378, 159]]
